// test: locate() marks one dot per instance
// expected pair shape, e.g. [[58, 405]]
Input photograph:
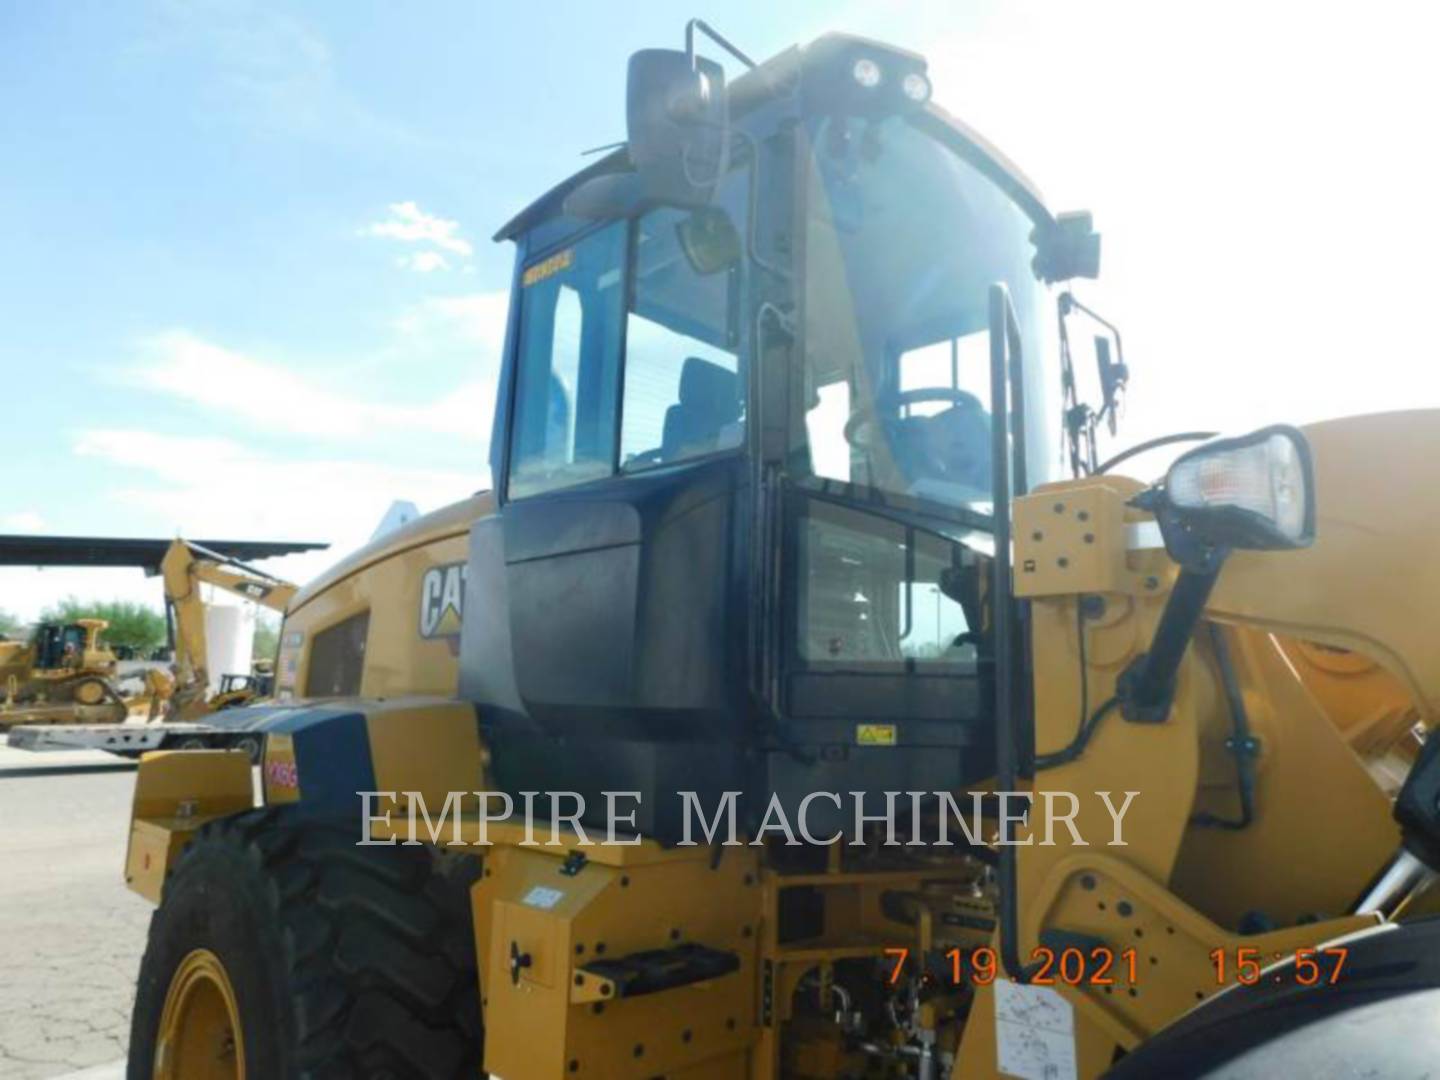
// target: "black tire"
[[346, 961]]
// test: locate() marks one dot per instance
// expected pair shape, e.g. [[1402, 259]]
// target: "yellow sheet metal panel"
[[428, 746], [411, 583], [539, 926], [1322, 825], [1070, 538], [175, 793], [1102, 897], [415, 603], [193, 783], [154, 847], [1371, 581], [1368, 704]]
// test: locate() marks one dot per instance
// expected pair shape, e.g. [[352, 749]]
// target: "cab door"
[[619, 529], [571, 537]]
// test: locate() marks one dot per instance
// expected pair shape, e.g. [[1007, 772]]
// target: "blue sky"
[[248, 286]]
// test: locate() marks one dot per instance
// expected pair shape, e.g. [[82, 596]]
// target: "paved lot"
[[70, 933]]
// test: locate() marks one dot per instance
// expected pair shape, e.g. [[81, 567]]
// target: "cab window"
[[337, 658], [572, 311], [683, 393]]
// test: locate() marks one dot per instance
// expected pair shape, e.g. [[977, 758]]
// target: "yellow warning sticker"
[[548, 267], [875, 735]]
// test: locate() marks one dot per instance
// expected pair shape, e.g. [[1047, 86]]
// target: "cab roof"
[[775, 76]]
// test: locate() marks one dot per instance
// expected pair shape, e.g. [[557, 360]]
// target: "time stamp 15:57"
[[1101, 966]]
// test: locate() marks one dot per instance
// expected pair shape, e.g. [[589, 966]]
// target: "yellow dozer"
[[786, 711], [63, 673]]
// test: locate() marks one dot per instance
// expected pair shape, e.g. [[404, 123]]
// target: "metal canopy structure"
[[145, 554]]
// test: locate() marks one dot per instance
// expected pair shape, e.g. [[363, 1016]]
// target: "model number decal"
[[542, 897], [545, 268], [282, 774], [442, 600]]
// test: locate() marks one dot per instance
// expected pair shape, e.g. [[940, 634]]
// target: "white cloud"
[[476, 320], [222, 489], [272, 71], [29, 590], [423, 262], [410, 224], [22, 521], [206, 486], [464, 331], [212, 488]]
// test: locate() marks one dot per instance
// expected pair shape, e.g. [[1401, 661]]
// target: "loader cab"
[[742, 447]]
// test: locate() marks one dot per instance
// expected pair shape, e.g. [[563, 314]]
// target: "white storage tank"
[[229, 637]]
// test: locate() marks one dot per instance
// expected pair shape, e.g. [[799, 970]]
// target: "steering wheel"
[[867, 415]]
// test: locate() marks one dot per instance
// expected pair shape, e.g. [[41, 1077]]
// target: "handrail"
[[1008, 478]]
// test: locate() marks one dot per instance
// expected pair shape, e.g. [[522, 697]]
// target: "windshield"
[[902, 240]]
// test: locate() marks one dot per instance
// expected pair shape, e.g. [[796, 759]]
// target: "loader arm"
[[184, 568]]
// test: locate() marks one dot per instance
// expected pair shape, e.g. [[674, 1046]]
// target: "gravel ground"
[[72, 933]]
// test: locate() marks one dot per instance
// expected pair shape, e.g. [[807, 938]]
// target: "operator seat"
[[952, 447], [709, 400]]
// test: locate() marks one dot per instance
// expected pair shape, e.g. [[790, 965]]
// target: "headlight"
[[1256, 491], [866, 72], [916, 87]]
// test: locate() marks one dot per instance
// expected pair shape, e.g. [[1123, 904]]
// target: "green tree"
[[10, 626], [137, 625]]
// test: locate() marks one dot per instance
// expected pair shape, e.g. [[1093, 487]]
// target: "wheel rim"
[[251, 747], [200, 1035], [90, 692]]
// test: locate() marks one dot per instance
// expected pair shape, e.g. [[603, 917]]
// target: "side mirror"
[[1067, 248], [1114, 378], [676, 114], [709, 240], [1254, 492], [676, 118]]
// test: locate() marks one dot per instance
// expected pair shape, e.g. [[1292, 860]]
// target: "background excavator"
[[185, 568], [780, 522], [80, 697]]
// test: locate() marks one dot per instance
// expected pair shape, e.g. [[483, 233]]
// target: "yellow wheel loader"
[[785, 711]]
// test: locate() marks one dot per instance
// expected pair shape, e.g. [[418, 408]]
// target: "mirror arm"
[[710, 32], [1067, 300], [1119, 373], [1146, 688]]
